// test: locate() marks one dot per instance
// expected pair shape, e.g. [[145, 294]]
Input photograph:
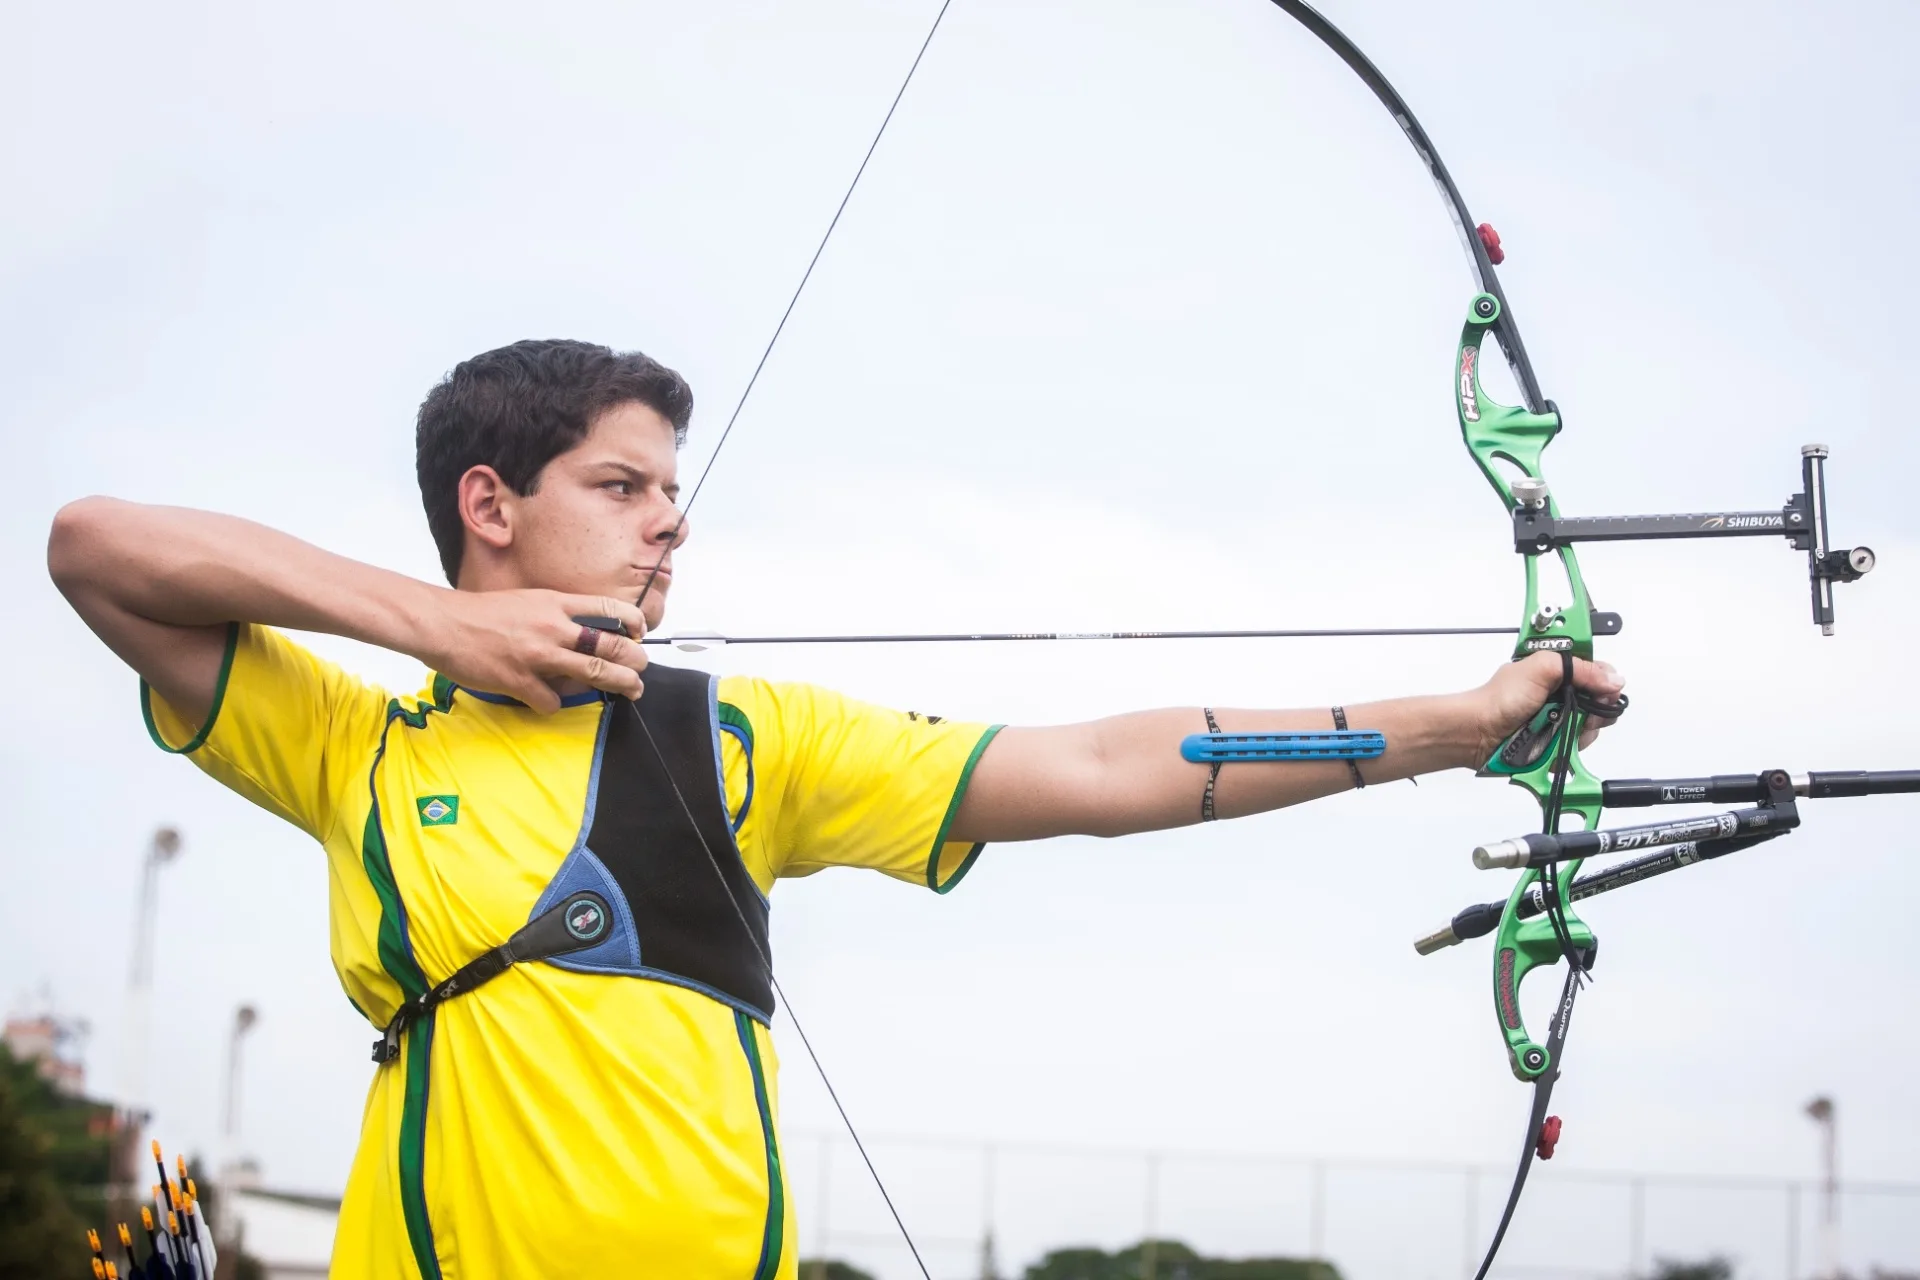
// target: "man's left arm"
[[1125, 774]]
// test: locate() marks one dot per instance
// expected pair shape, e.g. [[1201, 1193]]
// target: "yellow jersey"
[[635, 1102]]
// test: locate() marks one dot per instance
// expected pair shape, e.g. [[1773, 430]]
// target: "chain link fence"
[[987, 1209]]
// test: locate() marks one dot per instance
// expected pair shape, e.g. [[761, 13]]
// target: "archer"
[[550, 868]]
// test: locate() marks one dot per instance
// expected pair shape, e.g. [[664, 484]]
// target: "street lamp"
[[162, 848], [1821, 1111], [243, 1019]]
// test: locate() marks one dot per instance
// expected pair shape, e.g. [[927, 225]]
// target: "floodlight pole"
[[1822, 1112], [989, 1259], [162, 848], [243, 1019]]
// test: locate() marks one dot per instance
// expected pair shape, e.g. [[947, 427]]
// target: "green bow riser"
[[1507, 442]]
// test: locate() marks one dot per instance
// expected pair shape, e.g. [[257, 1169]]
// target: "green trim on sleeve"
[[213, 712], [953, 807], [727, 713]]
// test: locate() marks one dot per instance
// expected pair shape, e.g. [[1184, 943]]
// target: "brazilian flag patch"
[[438, 811]]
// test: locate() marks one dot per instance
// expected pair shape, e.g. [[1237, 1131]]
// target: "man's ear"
[[487, 507]]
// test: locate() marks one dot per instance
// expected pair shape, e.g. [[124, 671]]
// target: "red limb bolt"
[[1490, 239], [1549, 1136]]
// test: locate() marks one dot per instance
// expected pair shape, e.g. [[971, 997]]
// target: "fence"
[[985, 1209]]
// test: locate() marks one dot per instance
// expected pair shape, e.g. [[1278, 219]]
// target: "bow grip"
[[1535, 740]]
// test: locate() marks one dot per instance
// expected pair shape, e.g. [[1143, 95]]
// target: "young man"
[[617, 1056]]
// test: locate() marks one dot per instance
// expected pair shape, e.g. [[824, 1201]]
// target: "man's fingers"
[[536, 694], [600, 672], [625, 612], [612, 647], [1596, 677], [588, 641], [1544, 669]]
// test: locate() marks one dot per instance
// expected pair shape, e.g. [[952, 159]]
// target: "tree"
[[1710, 1269], [828, 1269], [1171, 1261], [53, 1166]]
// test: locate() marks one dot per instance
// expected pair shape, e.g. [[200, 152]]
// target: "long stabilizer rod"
[[1750, 788], [1775, 789]]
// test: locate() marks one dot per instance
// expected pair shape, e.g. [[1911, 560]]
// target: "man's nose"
[[672, 533]]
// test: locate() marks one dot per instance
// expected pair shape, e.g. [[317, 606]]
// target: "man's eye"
[[621, 487]]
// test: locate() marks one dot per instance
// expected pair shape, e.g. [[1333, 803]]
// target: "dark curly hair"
[[517, 408]]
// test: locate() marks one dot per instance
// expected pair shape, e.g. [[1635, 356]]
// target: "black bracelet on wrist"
[[1353, 766], [1213, 774]]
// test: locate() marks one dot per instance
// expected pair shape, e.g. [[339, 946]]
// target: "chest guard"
[[644, 893]]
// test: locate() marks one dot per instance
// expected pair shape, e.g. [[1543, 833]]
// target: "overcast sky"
[[1142, 317]]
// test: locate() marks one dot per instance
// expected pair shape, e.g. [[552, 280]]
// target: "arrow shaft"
[[957, 637]]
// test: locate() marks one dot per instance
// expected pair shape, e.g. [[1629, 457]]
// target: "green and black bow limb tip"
[[1536, 925]]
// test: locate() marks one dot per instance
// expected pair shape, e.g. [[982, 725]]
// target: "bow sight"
[[1537, 530]]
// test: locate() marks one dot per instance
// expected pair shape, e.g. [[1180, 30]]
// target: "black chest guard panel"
[[644, 893]]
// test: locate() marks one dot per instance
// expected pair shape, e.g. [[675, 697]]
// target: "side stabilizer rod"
[[1481, 919], [1540, 850]]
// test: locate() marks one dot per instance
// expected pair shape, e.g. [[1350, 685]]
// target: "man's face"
[[603, 513]]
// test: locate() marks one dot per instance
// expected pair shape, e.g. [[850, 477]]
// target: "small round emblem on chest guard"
[[586, 917]]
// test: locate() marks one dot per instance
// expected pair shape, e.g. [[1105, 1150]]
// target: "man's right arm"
[[159, 585]]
